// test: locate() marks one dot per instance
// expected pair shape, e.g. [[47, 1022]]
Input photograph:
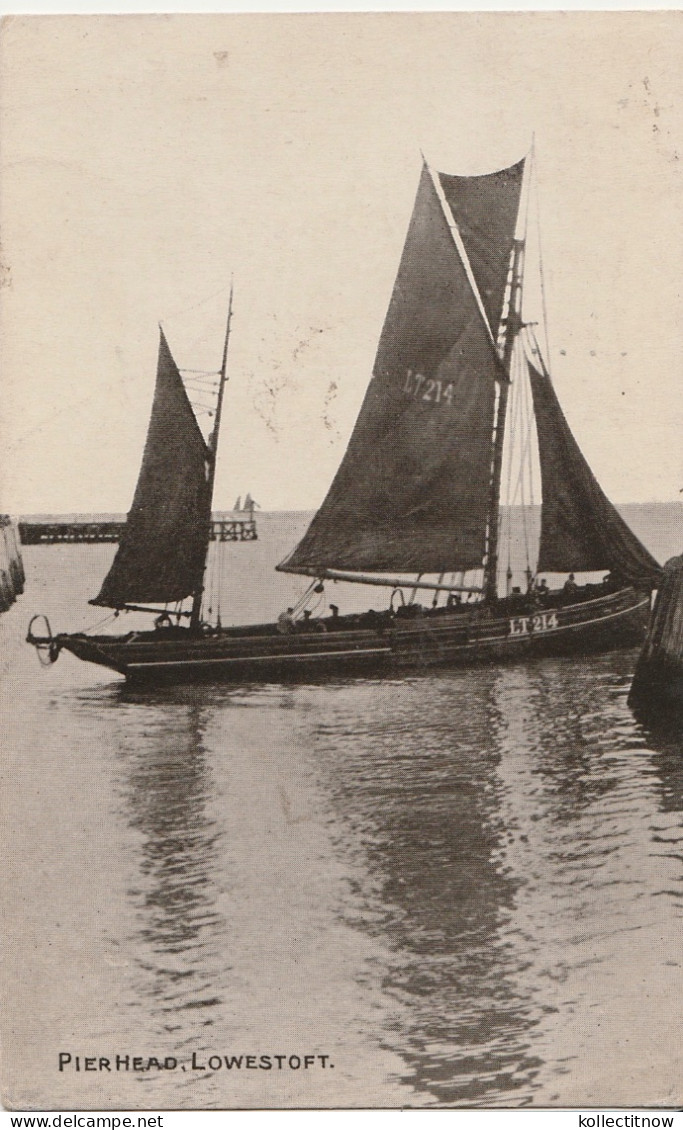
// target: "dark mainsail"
[[412, 492], [580, 529], [163, 548], [485, 209]]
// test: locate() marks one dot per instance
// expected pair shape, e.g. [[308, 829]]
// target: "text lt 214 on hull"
[[415, 506]]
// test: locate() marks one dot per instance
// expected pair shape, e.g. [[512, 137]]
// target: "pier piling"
[[658, 679]]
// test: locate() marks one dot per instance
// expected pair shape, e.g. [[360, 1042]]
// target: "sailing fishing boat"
[[250, 505], [415, 505]]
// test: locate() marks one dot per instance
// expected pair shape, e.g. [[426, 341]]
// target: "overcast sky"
[[146, 160]]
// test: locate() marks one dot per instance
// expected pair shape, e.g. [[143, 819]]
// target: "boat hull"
[[389, 647]]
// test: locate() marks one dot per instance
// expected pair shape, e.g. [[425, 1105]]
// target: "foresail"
[[581, 531], [411, 494], [162, 550]]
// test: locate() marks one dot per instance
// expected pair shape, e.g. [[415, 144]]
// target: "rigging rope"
[[541, 274], [218, 546], [196, 305], [209, 584], [104, 620], [513, 411], [303, 599], [523, 461], [520, 466]]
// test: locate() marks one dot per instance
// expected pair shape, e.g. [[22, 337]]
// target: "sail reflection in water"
[[166, 785], [523, 861], [419, 788]]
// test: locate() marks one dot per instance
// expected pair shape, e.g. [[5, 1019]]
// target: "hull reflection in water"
[[166, 787], [513, 825], [419, 788], [237, 907]]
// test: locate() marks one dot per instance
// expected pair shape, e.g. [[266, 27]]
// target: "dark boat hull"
[[464, 638]]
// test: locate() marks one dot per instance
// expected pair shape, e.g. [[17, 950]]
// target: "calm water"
[[464, 888]]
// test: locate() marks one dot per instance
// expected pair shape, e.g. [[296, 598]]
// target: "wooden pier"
[[81, 530], [11, 566], [658, 680], [233, 529]]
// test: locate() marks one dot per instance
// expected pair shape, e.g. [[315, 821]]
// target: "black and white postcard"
[[341, 413]]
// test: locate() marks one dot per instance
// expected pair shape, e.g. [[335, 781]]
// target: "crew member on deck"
[[570, 585], [285, 622]]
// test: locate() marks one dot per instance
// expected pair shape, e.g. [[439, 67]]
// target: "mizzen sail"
[[162, 551], [412, 492], [581, 531]]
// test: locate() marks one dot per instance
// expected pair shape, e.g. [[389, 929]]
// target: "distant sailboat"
[[415, 505], [238, 504], [250, 506]]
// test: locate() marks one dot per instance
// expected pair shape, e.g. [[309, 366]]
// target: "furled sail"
[[412, 492], [162, 551], [581, 531], [485, 209]]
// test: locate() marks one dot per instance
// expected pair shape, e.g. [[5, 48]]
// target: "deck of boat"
[[373, 642]]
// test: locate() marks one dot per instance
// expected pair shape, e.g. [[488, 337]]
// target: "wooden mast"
[[512, 324], [195, 615]]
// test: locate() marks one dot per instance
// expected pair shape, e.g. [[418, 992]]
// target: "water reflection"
[[664, 737], [165, 786], [508, 824], [565, 722], [415, 778], [507, 840]]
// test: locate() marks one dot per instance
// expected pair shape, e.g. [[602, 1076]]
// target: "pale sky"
[[147, 159]]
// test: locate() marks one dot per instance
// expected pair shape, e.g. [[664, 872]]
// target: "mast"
[[511, 325], [198, 593]]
